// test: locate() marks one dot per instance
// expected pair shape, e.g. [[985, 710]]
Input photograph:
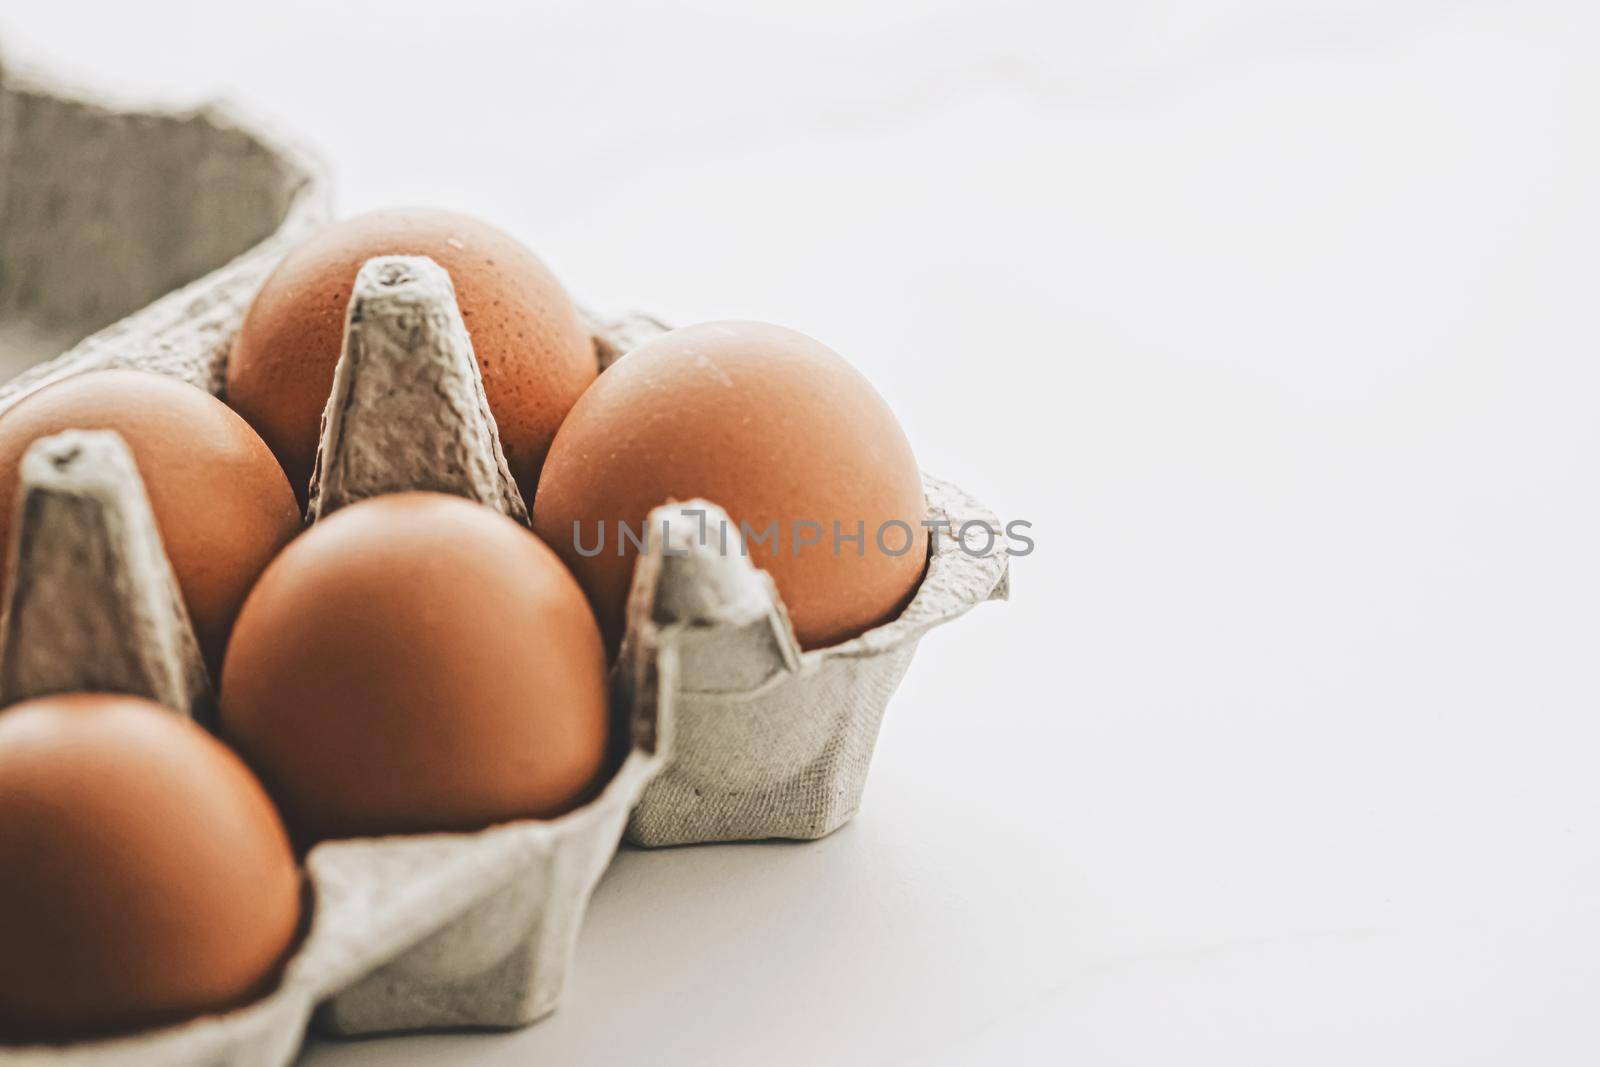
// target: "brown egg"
[[416, 662], [146, 876], [773, 427], [534, 353], [220, 500]]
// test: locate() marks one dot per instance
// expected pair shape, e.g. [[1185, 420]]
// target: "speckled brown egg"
[[221, 501], [775, 428], [146, 875], [534, 353], [416, 662]]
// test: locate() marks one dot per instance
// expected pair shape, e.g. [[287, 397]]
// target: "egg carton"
[[432, 930]]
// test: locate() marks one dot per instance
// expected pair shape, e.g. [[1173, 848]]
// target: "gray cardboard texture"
[[94, 604], [771, 741]]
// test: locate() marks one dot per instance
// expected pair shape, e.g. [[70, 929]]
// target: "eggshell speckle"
[[146, 875], [531, 347], [414, 663], [221, 501], [772, 426]]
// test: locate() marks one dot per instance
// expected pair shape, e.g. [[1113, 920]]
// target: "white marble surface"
[[1276, 319]]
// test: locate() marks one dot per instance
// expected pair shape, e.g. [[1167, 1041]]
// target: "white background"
[[1277, 320]]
